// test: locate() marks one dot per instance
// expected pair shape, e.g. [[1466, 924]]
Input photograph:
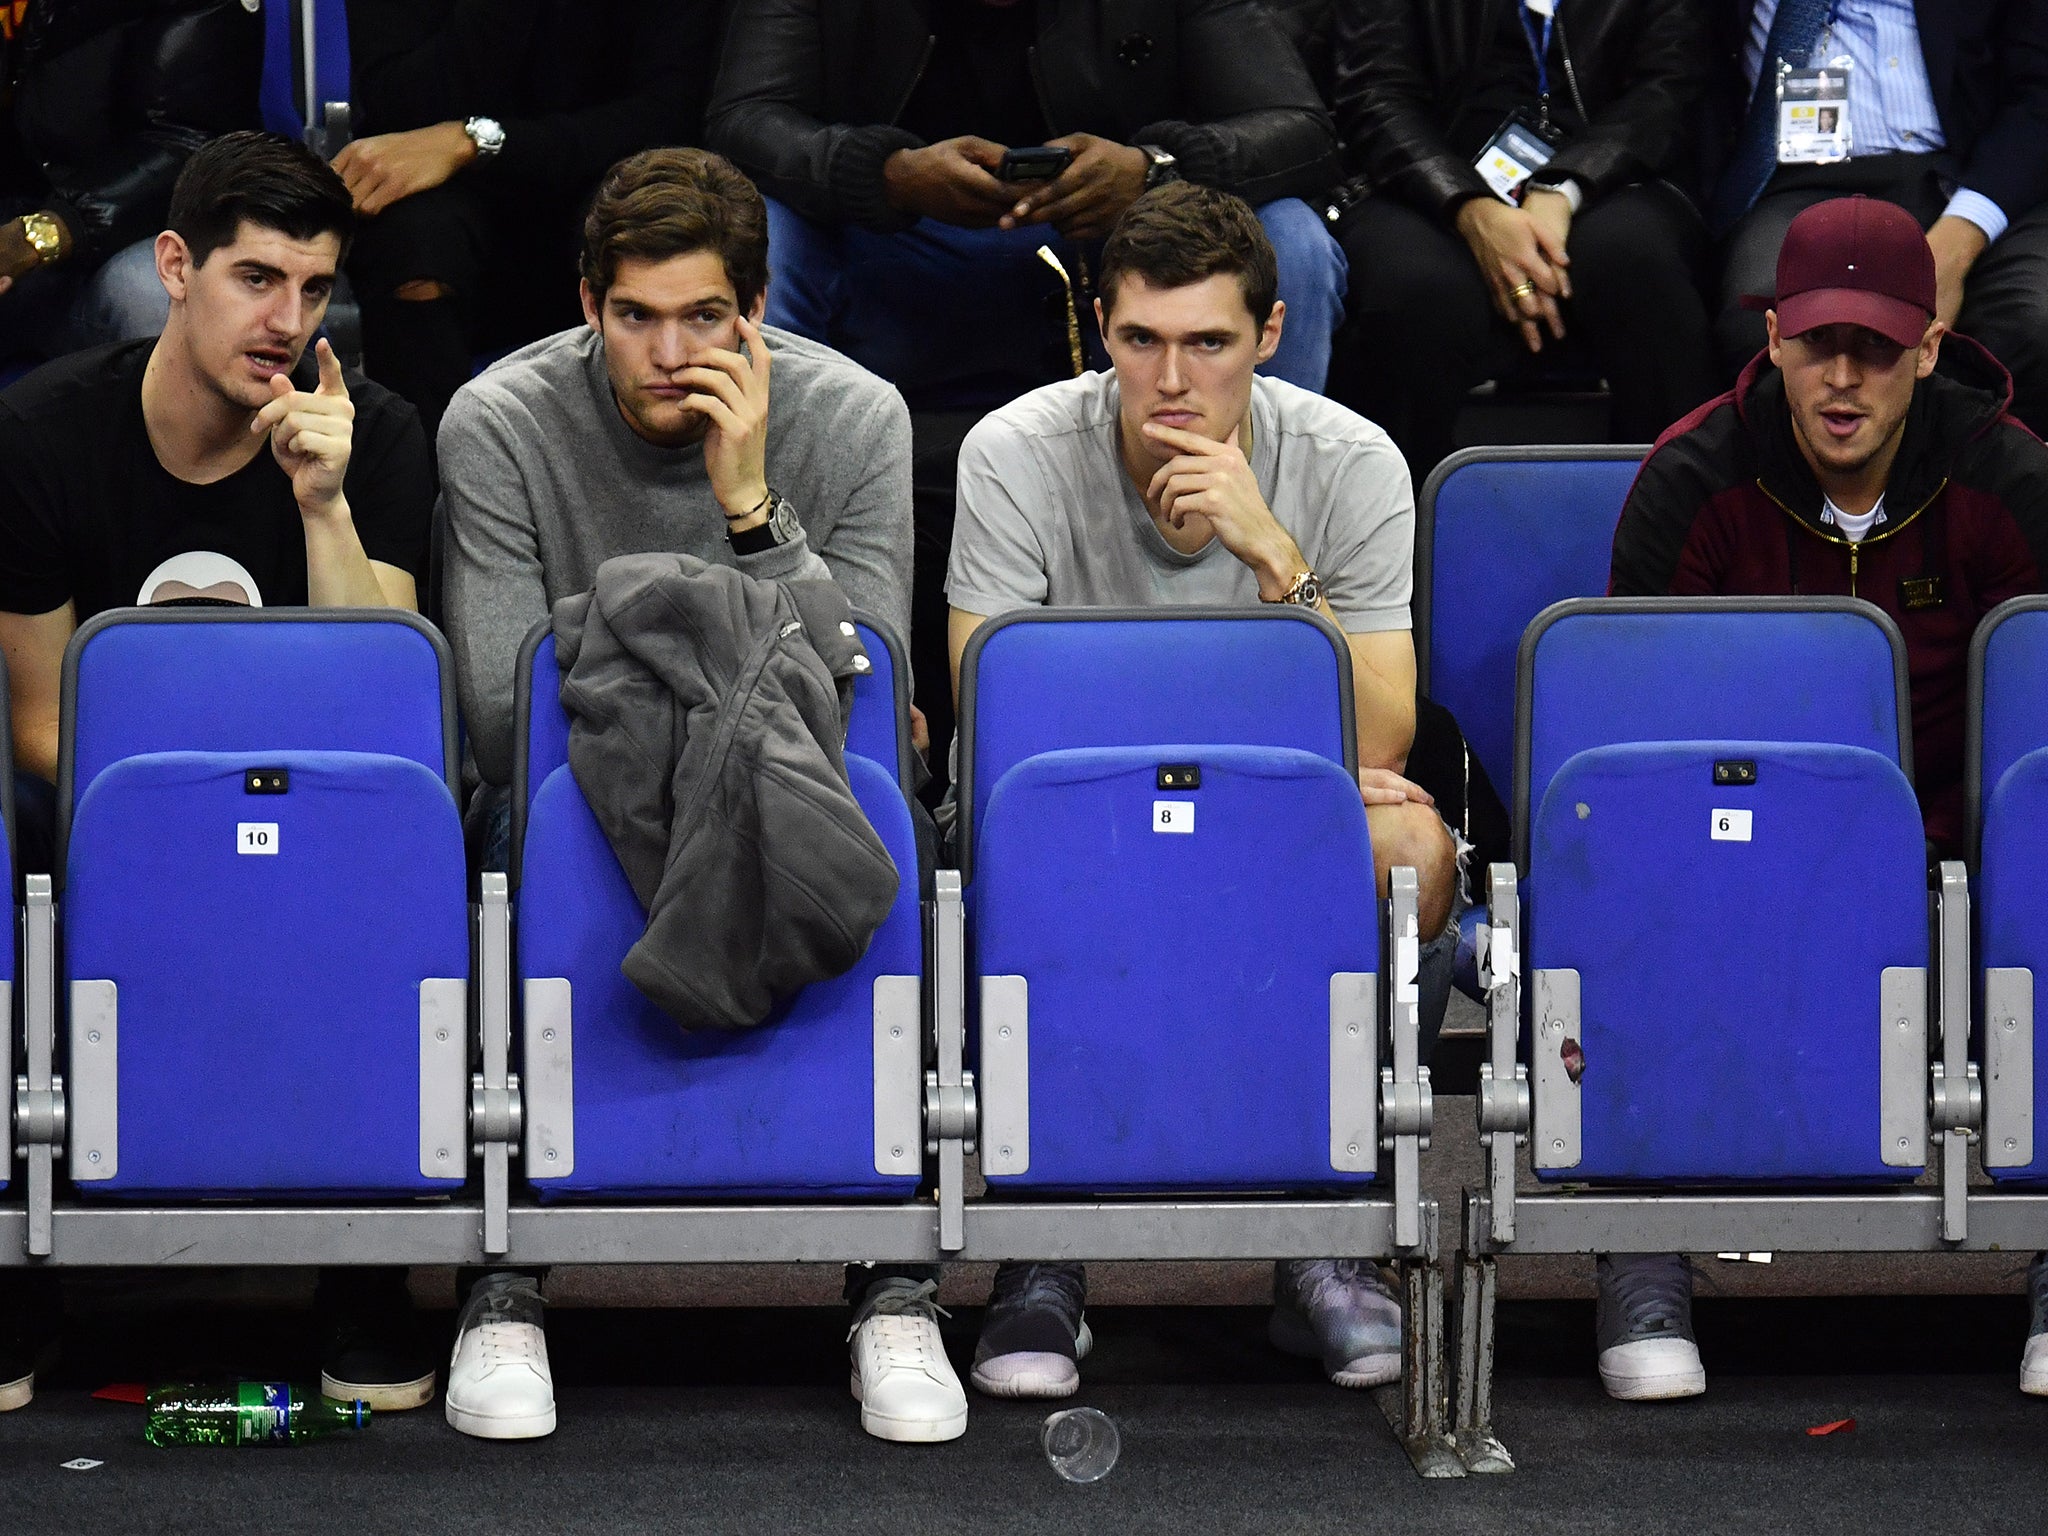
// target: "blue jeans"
[[54, 310], [968, 319]]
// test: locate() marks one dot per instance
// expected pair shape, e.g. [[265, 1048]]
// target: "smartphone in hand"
[[1037, 163]]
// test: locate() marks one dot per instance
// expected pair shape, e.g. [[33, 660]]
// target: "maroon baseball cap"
[[1856, 261]]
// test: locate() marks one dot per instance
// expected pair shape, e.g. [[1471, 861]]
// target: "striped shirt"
[[1891, 105]]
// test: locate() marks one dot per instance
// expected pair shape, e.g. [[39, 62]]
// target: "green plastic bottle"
[[247, 1413]]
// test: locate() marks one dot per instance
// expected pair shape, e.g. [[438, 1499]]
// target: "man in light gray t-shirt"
[[1050, 517], [1182, 478]]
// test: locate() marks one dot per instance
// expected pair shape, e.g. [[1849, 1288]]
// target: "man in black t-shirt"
[[221, 438], [216, 463]]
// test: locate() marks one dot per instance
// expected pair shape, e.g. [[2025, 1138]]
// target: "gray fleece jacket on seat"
[[707, 723]]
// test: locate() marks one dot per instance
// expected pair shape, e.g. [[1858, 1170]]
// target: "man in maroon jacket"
[[1840, 464]]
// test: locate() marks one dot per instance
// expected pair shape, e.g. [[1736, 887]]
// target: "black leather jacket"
[[1405, 67], [107, 98], [809, 92]]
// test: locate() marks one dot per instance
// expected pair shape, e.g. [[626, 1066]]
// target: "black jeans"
[[507, 261], [1422, 329], [2005, 300]]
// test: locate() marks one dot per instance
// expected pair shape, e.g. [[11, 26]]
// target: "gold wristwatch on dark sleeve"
[[45, 236]]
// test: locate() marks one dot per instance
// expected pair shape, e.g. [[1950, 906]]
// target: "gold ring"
[[1522, 290]]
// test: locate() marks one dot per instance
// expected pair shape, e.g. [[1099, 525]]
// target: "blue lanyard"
[[1540, 52]]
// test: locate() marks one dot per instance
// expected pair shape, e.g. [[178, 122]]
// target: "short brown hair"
[[1181, 233], [671, 202]]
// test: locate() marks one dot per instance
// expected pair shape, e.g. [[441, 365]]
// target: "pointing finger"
[[331, 381]]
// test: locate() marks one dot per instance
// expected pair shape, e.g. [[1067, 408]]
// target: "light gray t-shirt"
[[1048, 517], [542, 481]]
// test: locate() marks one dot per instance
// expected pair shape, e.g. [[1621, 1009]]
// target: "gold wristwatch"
[[45, 236]]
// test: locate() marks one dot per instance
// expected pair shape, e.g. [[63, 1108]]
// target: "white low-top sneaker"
[[499, 1385], [1647, 1352], [905, 1385], [2034, 1362]]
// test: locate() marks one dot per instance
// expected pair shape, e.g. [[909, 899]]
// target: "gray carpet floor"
[[739, 1420]]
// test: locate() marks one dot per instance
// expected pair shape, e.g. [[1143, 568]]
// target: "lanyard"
[[1540, 52]]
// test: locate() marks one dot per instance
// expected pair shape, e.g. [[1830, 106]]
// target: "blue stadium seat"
[[1728, 1027], [1597, 673], [1093, 678], [2006, 785], [1172, 902], [1695, 780], [878, 728], [824, 1099], [620, 1101], [1500, 535], [266, 926]]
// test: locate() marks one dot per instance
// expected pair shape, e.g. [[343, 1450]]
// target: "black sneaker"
[[1033, 1333], [1647, 1350], [372, 1348]]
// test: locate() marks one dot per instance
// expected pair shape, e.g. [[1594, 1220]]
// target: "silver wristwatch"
[[487, 134], [781, 528], [1160, 167]]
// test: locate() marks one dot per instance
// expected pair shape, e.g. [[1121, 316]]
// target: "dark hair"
[[1181, 233], [671, 202], [264, 179]]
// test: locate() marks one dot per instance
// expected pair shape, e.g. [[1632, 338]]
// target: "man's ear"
[[1776, 342], [590, 316], [1101, 323], [1269, 333], [174, 264], [758, 308], [1930, 350]]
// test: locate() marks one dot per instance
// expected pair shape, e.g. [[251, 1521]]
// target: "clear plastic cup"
[[1081, 1444]]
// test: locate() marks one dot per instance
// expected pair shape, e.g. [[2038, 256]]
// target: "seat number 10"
[[256, 837]]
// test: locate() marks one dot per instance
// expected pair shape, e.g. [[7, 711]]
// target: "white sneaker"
[[1647, 1352], [2034, 1362], [904, 1383], [499, 1385], [18, 1392]]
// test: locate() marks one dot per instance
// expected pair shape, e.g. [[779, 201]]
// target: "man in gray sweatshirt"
[[656, 429]]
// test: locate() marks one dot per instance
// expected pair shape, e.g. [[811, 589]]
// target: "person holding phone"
[[917, 155]]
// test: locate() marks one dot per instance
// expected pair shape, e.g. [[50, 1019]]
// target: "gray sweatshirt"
[[542, 481]]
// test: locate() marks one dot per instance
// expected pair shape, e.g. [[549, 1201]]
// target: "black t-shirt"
[[1507, 81], [978, 78], [89, 514]]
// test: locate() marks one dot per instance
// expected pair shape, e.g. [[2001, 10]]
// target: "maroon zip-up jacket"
[[1726, 505]]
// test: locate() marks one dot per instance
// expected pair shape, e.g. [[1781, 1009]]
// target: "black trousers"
[[2005, 300], [1422, 330], [507, 260]]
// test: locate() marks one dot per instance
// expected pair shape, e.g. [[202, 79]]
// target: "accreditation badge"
[[1813, 113], [1519, 148]]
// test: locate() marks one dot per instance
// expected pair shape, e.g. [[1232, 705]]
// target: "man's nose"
[[1842, 372], [672, 347], [1173, 374]]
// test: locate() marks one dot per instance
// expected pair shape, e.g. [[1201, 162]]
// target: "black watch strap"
[[755, 541]]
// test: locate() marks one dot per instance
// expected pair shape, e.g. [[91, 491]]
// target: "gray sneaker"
[[1033, 1334], [1647, 1350], [2034, 1363], [1341, 1312]]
